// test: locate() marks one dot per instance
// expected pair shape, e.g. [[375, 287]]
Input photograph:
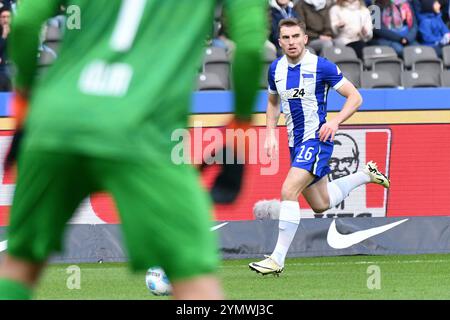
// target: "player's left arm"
[[333, 77]]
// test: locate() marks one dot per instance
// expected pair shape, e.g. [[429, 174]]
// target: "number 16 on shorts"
[[305, 154], [313, 156]]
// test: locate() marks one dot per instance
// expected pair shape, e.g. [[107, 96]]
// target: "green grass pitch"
[[345, 277]]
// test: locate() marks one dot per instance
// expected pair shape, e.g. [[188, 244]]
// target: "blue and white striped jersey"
[[303, 90]]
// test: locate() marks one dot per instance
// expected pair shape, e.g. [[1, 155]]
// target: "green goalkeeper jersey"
[[126, 69]]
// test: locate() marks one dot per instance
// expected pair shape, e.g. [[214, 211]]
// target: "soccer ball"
[[157, 282]]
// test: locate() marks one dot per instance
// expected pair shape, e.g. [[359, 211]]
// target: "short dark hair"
[[291, 22]]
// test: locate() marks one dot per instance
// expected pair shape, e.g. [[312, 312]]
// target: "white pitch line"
[[358, 262], [368, 262]]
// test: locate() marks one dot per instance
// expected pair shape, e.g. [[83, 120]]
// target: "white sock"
[[287, 225], [339, 189]]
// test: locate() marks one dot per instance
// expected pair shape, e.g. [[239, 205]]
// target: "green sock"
[[14, 290]]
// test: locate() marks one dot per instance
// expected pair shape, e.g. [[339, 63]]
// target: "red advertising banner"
[[415, 156]]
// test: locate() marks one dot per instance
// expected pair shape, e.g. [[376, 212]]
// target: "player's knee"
[[21, 270], [319, 209], [321, 205], [289, 194]]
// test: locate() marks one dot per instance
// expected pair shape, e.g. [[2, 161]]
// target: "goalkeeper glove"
[[234, 153], [19, 107]]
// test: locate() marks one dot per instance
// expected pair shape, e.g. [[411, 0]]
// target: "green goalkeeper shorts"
[[165, 213]]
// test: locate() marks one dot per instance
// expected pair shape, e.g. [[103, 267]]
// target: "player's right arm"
[[272, 117]]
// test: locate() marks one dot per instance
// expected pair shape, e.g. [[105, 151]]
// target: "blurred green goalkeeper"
[[102, 118]]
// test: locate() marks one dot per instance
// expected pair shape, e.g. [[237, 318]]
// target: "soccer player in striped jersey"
[[101, 119], [301, 80]]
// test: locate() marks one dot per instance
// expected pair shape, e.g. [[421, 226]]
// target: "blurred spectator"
[[220, 36], [5, 73], [316, 15], [280, 9], [417, 6], [433, 31], [398, 25], [14, 6], [352, 24], [6, 4], [445, 10]]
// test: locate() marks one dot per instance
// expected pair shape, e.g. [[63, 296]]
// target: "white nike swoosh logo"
[[337, 240], [219, 226], [3, 245]]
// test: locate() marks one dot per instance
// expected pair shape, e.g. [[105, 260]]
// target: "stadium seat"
[[217, 24], [311, 50], [263, 84], [378, 79], [45, 58], [446, 56], [445, 78], [348, 62], [218, 11], [209, 81], [434, 68], [54, 45], [216, 62], [414, 79], [352, 71], [270, 54], [53, 34], [215, 54], [338, 54], [376, 53], [413, 54], [394, 66]]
